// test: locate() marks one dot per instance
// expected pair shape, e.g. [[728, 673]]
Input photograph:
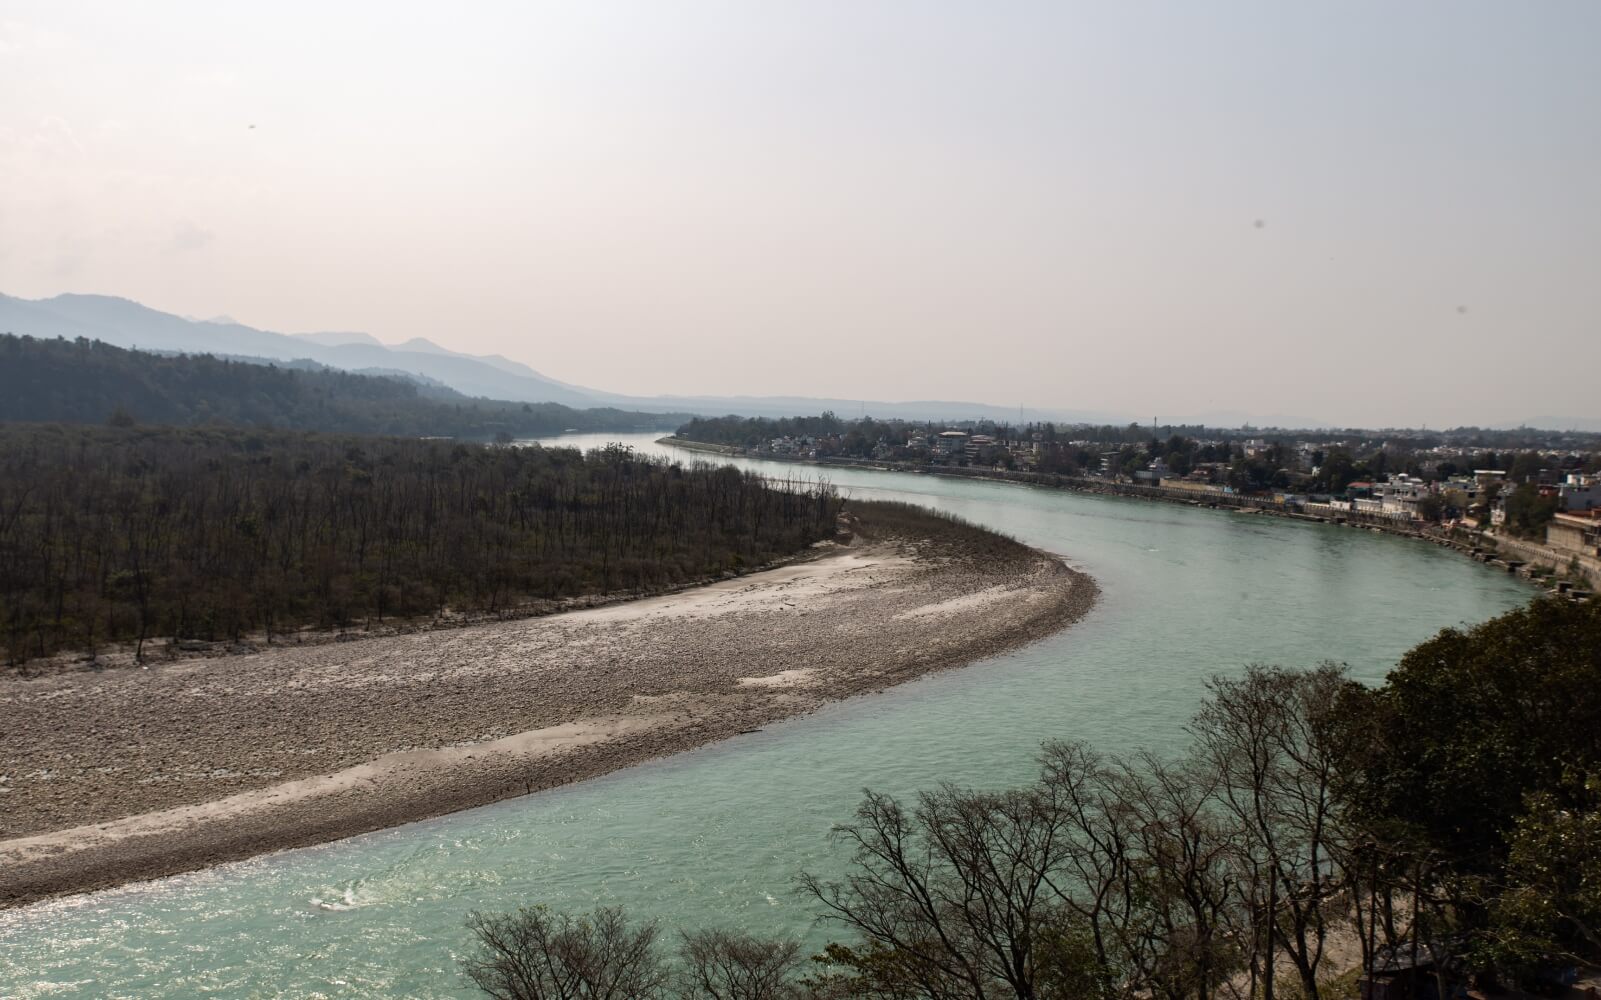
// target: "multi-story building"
[[1578, 532], [976, 443], [1401, 495], [950, 445]]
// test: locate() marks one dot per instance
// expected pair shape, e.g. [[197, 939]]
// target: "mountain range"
[[126, 323], [83, 381]]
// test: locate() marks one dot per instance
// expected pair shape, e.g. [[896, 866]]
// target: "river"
[[716, 836]]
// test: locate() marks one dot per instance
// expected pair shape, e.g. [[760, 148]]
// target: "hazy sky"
[[1364, 212]]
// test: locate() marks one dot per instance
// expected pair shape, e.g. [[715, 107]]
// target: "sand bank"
[[130, 774]]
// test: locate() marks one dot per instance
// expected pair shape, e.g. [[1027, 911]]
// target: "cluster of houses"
[[1401, 497], [798, 446], [1574, 529], [943, 448]]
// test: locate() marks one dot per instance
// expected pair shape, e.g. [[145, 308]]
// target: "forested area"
[[84, 381], [752, 432], [111, 534], [1438, 832]]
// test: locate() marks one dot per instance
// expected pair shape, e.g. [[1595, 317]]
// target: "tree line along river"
[[716, 836]]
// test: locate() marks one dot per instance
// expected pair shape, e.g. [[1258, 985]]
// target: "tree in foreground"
[[533, 954], [1106, 878], [1449, 820], [1549, 903], [955, 899], [725, 965], [1470, 780]]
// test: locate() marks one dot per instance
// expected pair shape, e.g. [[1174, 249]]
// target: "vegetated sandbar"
[[134, 773]]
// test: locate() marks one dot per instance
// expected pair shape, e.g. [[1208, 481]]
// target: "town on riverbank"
[[1526, 499]]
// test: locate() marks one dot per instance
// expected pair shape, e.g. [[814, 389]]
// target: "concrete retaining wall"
[[1540, 555]]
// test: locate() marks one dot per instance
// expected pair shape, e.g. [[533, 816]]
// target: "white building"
[[1400, 495]]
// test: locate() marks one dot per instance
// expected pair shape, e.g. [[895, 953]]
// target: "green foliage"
[[1527, 512], [1471, 722], [1250, 474], [123, 534], [1459, 780], [1550, 902], [86, 381], [753, 432]]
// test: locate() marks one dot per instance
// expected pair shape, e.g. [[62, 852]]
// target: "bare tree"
[[116, 536], [1095, 880], [1150, 871], [1182, 874], [533, 954], [954, 899], [1272, 740], [724, 965], [1108, 878]]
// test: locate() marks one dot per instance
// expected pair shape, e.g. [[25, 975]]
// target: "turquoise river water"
[[716, 836]]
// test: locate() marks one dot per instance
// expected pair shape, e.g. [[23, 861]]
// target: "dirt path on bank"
[[131, 774]]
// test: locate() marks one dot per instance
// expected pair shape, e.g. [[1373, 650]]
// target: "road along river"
[[716, 835]]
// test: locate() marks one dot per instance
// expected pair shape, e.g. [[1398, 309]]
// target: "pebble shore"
[[135, 773]]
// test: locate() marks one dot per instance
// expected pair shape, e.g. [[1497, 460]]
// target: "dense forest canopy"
[[125, 534], [1473, 722], [85, 381]]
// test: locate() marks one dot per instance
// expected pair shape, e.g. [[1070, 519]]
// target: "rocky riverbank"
[[136, 773]]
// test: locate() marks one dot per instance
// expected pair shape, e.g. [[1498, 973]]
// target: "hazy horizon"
[[1365, 214]]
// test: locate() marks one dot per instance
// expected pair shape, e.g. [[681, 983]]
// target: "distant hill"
[[85, 381], [125, 323], [333, 339], [128, 324]]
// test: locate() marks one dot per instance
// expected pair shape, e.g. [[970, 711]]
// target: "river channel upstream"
[[716, 836]]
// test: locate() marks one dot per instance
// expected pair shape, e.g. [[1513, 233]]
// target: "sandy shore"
[[130, 774]]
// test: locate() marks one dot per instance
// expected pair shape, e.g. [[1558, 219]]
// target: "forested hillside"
[[125, 534], [86, 381]]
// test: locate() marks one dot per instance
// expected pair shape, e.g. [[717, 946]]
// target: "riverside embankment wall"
[[1553, 559], [1474, 545]]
